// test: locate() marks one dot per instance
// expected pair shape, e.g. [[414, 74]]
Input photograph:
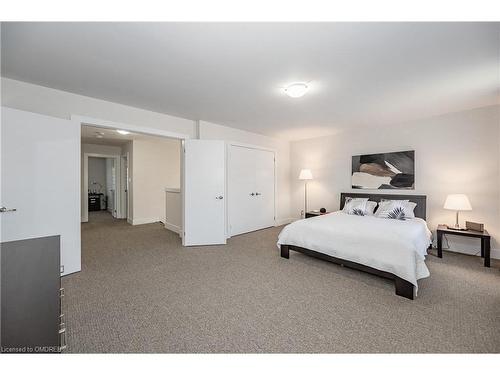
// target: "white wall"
[[97, 174], [209, 130], [63, 104], [455, 153], [173, 210], [156, 165]]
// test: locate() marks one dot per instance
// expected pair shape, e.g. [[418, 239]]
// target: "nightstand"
[[484, 236], [314, 213]]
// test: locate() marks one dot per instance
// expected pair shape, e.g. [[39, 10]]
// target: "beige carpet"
[[141, 291]]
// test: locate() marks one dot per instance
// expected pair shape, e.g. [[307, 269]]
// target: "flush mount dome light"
[[296, 90], [123, 132]]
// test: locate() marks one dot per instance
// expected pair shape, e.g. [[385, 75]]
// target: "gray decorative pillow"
[[355, 206], [396, 209]]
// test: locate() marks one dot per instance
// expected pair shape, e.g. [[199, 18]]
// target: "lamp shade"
[[457, 202], [305, 174]]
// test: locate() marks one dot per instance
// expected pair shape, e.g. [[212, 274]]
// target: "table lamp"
[[305, 175], [457, 202]]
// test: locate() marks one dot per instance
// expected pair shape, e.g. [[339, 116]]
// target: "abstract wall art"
[[391, 170]]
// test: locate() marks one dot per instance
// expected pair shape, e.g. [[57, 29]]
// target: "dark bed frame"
[[403, 288]]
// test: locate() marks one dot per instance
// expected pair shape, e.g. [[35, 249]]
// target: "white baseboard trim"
[[284, 221], [173, 227], [145, 221]]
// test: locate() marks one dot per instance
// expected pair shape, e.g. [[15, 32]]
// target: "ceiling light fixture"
[[123, 132], [296, 90]]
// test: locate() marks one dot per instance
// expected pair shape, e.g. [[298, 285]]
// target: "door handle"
[[258, 194], [219, 197], [5, 209], [252, 194]]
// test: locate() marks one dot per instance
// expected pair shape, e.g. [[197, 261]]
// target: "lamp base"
[[454, 227]]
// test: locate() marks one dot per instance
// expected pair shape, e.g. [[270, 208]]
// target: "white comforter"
[[395, 246]]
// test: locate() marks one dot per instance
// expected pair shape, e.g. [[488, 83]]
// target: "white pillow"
[[370, 208], [411, 210], [355, 206], [396, 209]]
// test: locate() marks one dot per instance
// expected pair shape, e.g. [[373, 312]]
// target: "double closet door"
[[251, 189]]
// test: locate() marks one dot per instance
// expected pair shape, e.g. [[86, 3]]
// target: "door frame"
[[125, 188], [85, 120], [85, 191], [229, 144], [105, 124]]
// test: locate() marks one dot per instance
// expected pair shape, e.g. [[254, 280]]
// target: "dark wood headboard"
[[420, 200]]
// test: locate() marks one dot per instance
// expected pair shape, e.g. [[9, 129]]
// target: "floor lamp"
[[305, 175]]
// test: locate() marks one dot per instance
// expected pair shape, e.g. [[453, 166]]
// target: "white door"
[[264, 188], [241, 190], [124, 187], [40, 179], [250, 189], [204, 193], [111, 193], [128, 174]]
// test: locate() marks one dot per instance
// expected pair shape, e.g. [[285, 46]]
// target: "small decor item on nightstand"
[[322, 210], [478, 227], [315, 213]]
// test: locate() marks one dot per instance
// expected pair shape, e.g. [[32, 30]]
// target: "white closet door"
[[264, 188], [250, 189], [241, 188]]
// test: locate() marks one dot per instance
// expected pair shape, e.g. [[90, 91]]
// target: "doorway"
[[127, 174], [103, 186]]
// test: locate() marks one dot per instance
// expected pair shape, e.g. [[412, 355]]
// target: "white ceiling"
[[361, 75], [111, 137]]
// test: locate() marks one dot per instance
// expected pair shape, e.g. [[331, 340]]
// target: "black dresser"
[[95, 201], [32, 320]]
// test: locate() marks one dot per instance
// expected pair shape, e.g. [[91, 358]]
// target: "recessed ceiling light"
[[123, 132], [296, 90]]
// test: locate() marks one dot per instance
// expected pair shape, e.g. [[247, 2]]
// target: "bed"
[[393, 249]]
